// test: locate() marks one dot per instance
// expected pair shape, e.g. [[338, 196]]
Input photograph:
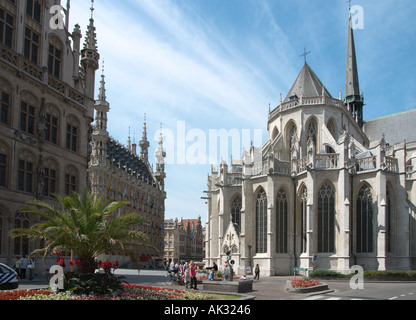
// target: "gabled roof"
[[307, 84]]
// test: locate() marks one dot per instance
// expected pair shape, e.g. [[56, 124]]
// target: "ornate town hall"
[[47, 142], [326, 191]]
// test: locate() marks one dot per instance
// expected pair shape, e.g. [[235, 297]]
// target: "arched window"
[[312, 133], [364, 220], [326, 219], [235, 210], [303, 216], [261, 222], [21, 244], [281, 222], [292, 136]]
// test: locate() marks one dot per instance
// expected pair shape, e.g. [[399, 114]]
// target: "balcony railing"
[[327, 161]]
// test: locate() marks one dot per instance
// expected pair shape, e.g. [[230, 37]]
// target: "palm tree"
[[87, 226]]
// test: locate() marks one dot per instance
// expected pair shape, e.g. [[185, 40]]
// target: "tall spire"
[[160, 162], [90, 57], [353, 98], [91, 37], [352, 87], [101, 95], [144, 144]]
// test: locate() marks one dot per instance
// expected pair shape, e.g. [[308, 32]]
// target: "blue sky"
[[201, 65]]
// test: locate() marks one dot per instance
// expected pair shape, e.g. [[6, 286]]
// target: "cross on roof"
[[305, 54]]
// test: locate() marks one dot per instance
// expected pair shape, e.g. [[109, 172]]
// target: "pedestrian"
[[31, 267], [17, 266], [23, 266], [187, 278], [257, 272], [211, 274], [243, 277], [192, 274], [215, 267]]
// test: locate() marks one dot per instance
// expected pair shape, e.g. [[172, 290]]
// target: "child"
[[243, 277], [211, 275]]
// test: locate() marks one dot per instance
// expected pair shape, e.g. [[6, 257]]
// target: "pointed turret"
[[100, 134], [353, 99], [144, 144], [90, 56], [160, 163]]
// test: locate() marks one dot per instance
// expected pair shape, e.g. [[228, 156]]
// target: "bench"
[[298, 270]]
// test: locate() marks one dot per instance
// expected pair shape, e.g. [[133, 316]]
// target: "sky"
[[198, 68]]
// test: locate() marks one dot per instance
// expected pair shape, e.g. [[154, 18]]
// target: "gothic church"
[[326, 191]]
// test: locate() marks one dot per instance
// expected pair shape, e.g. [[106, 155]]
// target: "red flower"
[[107, 265], [115, 265], [100, 263], [78, 263]]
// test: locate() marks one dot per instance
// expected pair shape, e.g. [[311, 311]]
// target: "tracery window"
[[235, 210], [292, 136], [312, 132], [21, 244], [364, 220], [261, 222], [326, 219]]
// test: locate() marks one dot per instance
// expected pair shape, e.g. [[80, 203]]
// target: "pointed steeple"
[[352, 86], [160, 162], [353, 98], [101, 94], [91, 36], [90, 57], [100, 134], [144, 143]]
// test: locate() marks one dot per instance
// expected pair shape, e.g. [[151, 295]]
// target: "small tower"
[[144, 144], [90, 56], [354, 100], [160, 163], [100, 133]]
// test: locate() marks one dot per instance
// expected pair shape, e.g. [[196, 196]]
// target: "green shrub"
[[326, 273]]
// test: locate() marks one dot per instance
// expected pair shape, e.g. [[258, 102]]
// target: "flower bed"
[[304, 283], [130, 292]]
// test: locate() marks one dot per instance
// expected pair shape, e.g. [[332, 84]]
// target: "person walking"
[[23, 266], [187, 278], [17, 266], [31, 267], [257, 272], [192, 274]]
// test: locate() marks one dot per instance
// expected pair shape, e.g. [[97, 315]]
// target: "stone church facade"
[[320, 194]]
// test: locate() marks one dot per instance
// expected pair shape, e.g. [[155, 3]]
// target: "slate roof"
[[121, 157], [307, 84]]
